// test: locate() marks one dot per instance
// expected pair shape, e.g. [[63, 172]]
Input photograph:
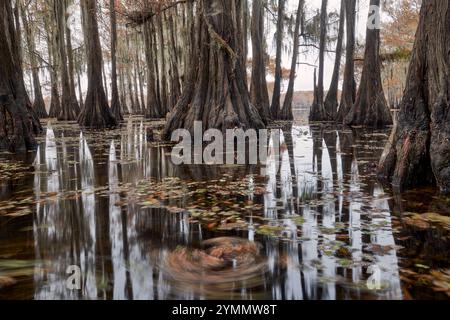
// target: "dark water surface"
[[141, 228]]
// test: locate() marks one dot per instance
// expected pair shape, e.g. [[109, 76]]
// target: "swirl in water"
[[222, 266]]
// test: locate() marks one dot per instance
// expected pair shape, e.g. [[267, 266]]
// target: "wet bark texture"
[[418, 152], [18, 124], [349, 85], [96, 113], [370, 108], [215, 92]]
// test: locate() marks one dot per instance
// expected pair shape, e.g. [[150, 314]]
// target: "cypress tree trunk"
[[162, 107], [175, 89], [244, 33], [318, 109], [116, 108], [275, 107], [123, 94], [163, 83], [215, 92], [18, 124], [258, 88], [71, 72], [418, 152], [96, 113], [286, 112], [105, 82], [138, 77], [67, 109], [349, 85], [80, 91], [140, 73], [38, 104], [153, 110], [133, 109], [331, 101], [134, 73], [370, 108], [55, 104]]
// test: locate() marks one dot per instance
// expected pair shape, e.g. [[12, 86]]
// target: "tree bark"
[[370, 108], [175, 89], [215, 92], [18, 124], [286, 112], [116, 108], [139, 82], [55, 104], [38, 104], [67, 109], [275, 107], [418, 152], [349, 85], [244, 32], [123, 95], [71, 72], [162, 107], [163, 82], [331, 101], [153, 110], [133, 108], [134, 73], [96, 113], [258, 88], [318, 108]]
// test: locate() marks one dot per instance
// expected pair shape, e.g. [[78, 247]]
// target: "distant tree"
[[38, 104], [349, 84], [68, 110], [55, 103], [276, 97], [331, 103], [286, 112], [258, 88], [96, 113], [400, 29], [116, 108], [370, 108], [318, 109], [70, 60]]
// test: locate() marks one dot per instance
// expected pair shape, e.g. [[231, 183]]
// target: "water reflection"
[[329, 217]]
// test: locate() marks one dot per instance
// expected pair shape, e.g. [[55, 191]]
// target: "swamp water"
[[138, 227]]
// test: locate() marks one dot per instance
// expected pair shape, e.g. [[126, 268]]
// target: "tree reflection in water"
[[316, 195]]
